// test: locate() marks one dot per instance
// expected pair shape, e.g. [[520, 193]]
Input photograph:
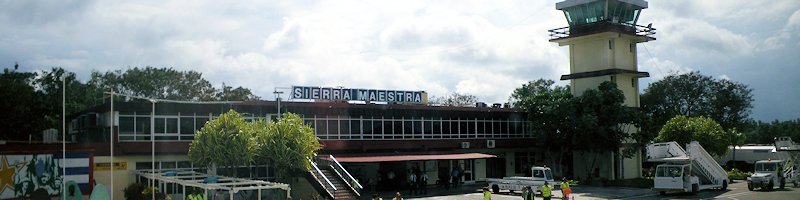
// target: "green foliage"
[[706, 131], [166, 83], [230, 141], [737, 174], [601, 119], [765, 133], [596, 121], [135, 191], [693, 95], [226, 140], [455, 99], [19, 96], [548, 107], [286, 144]]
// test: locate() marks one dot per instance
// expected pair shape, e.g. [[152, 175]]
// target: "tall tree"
[[151, 82], [693, 94], [23, 105], [228, 93], [602, 123], [549, 108], [705, 131], [226, 141], [455, 99], [79, 96], [286, 144]]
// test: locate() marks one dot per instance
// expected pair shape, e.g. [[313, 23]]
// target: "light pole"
[[63, 134], [153, 146], [278, 99], [111, 136]]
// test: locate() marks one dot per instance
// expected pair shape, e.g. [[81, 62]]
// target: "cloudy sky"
[[485, 48]]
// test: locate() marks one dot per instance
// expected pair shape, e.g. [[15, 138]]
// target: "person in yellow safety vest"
[[547, 192], [486, 194], [565, 190]]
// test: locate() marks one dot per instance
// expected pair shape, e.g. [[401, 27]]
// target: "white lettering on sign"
[[347, 94]]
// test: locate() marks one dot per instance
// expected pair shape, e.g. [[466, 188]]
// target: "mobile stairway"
[[332, 180], [792, 155], [687, 170]]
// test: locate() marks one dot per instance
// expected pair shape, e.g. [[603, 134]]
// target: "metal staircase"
[[336, 181], [703, 165]]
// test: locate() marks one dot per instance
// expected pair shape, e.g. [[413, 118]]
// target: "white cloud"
[[659, 69], [483, 48]]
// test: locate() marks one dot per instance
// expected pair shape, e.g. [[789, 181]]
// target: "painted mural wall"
[[22, 175]]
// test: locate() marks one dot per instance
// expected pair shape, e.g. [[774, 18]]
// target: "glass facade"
[[181, 127], [615, 12]]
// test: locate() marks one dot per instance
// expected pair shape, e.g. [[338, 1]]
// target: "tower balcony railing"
[[596, 27]]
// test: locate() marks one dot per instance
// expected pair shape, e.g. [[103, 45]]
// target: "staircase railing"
[[709, 167], [339, 169], [330, 185]]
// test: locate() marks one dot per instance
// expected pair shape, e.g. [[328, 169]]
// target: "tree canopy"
[[286, 144], [166, 83], [693, 94], [455, 99], [706, 131], [226, 141], [596, 121], [36, 97], [229, 141]]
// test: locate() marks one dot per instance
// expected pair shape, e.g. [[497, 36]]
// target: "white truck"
[[516, 183], [688, 170], [791, 152], [768, 174]]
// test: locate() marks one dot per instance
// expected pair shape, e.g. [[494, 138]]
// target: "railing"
[[563, 32], [332, 187], [339, 169], [709, 167]]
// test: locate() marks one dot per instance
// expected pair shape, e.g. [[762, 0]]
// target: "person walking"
[[412, 182], [565, 190], [547, 192], [423, 183], [528, 193], [397, 196], [487, 195], [454, 175]]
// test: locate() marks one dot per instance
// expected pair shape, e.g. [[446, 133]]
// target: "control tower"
[[602, 36]]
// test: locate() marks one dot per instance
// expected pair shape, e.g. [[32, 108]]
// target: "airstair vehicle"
[[792, 157], [689, 170]]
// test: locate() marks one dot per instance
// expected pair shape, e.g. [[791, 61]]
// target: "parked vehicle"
[[538, 176], [688, 170], [768, 174]]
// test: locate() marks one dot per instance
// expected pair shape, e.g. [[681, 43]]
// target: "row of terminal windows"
[[136, 127]]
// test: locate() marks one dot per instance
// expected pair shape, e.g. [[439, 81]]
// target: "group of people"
[[528, 193], [417, 182]]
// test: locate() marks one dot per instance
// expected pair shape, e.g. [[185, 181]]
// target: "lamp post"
[[153, 146], [278, 99], [63, 134]]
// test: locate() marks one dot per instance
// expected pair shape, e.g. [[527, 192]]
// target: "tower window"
[[633, 45], [633, 82], [613, 79], [611, 44]]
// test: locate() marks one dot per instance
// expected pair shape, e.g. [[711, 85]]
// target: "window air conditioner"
[[465, 145], [490, 144]]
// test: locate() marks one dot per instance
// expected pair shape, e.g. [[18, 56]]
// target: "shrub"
[[737, 174]]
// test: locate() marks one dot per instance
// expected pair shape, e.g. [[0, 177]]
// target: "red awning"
[[390, 158]]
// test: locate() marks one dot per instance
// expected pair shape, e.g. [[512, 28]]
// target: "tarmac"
[[473, 191]]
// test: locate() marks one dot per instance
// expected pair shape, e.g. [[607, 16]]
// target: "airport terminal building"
[[377, 142]]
